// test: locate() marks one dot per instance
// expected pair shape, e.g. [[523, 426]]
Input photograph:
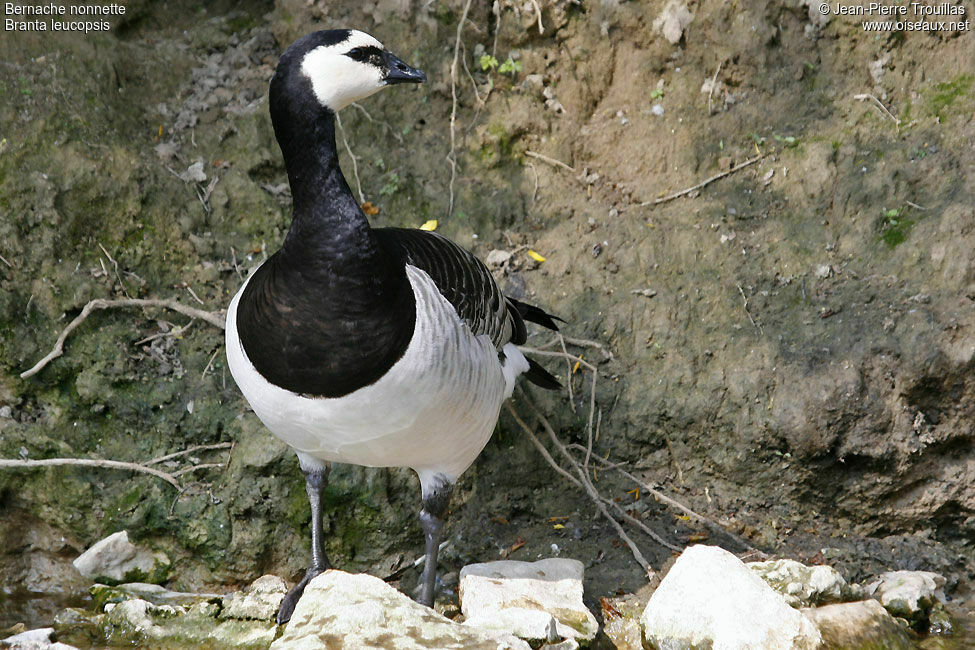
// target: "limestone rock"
[[342, 610], [532, 600], [139, 623], [35, 640], [259, 601], [711, 599], [861, 625], [908, 594], [673, 20], [621, 619], [806, 586], [115, 559]]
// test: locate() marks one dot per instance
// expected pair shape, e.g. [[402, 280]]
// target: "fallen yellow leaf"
[[429, 225], [535, 256], [558, 526]]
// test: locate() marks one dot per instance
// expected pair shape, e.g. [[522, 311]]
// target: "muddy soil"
[[788, 349]]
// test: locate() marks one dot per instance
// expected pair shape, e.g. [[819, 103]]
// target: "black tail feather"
[[541, 377], [533, 314]]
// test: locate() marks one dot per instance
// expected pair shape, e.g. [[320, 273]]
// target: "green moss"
[[895, 234], [943, 95]]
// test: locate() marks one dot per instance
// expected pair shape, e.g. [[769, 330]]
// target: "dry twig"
[[214, 318], [707, 181], [550, 161], [748, 313], [352, 156], [190, 450], [714, 80], [865, 96]]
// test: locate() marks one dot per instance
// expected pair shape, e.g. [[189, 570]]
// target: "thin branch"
[[383, 123], [748, 313], [111, 259], [714, 80], [568, 366], [355, 163], [470, 77], [193, 468], [550, 161], [452, 154], [214, 318], [865, 96], [206, 368], [161, 459], [538, 12], [89, 462], [414, 564], [4, 260], [708, 181]]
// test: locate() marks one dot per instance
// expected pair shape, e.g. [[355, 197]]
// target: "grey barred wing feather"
[[463, 279], [468, 285]]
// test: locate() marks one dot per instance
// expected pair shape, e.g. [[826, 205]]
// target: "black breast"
[[326, 331]]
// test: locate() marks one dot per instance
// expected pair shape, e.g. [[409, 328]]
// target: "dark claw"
[[294, 595]]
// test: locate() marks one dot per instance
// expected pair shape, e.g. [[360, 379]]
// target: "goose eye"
[[356, 53]]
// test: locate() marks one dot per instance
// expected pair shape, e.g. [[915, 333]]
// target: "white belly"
[[434, 410]]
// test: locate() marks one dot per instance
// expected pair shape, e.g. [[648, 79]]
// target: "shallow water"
[[34, 609]]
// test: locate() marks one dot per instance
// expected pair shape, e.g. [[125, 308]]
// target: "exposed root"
[[452, 154], [214, 318], [674, 503], [577, 471], [142, 468]]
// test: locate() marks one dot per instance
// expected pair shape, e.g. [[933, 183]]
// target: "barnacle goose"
[[382, 347]]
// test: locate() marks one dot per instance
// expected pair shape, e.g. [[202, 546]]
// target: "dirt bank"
[[792, 345]]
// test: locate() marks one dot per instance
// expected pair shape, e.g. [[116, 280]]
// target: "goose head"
[[342, 66]]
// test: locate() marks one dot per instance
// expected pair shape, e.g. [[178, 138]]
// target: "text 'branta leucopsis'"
[[379, 347]]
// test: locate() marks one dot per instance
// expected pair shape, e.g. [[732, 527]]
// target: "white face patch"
[[337, 79]]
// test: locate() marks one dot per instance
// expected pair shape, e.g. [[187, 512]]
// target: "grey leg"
[[432, 516], [315, 482]]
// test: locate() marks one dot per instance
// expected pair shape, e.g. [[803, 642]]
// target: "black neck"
[[328, 222]]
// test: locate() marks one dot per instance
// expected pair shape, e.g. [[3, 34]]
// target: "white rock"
[[342, 610], [134, 615], [711, 599], [908, 594], [804, 586], [39, 639], [498, 258], [673, 20], [115, 559], [194, 173], [259, 601], [532, 600], [863, 624]]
